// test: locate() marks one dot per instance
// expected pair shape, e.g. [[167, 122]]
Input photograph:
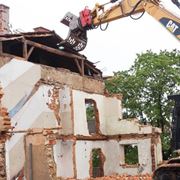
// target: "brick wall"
[[4, 126], [4, 19], [2, 148], [2, 160]]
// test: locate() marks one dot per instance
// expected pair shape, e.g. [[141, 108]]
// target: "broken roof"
[[46, 47]]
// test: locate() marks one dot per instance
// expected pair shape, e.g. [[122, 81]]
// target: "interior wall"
[[36, 164], [158, 152], [15, 158], [34, 114], [63, 156], [109, 109], [65, 100], [113, 153], [144, 156], [17, 80]]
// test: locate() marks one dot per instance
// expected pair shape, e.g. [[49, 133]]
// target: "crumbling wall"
[[36, 103], [121, 131], [114, 163], [2, 160], [65, 110], [4, 60], [156, 147], [109, 109], [18, 74], [36, 164], [144, 165], [47, 98], [27, 103], [34, 114], [109, 112], [64, 155], [4, 127], [72, 80]]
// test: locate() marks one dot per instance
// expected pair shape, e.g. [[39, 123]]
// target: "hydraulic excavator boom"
[[91, 19]]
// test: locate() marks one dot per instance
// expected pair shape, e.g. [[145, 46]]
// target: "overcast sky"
[[115, 49]]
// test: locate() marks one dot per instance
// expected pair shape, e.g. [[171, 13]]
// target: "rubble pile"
[[126, 177]]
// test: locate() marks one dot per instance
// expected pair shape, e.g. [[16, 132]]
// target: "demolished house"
[[65, 124]]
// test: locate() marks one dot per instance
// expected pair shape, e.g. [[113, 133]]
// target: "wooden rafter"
[[82, 66], [1, 47], [25, 50], [29, 46], [78, 66], [26, 53], [52, 50], [91, 67], [29, 52]]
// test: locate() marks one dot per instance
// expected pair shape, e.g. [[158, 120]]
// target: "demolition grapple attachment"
[[77, 36]]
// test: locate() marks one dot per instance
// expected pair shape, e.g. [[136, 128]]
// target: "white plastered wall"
[[109, 108], [112, 151], [158, 152], [144, 156], [63, 156], [17, 79], [34, 114], [110, 116], [28, 107], [65, 100]]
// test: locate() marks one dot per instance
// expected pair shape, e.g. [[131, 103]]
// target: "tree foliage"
[[146, 85]]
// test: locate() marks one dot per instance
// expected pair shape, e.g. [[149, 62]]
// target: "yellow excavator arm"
[[90, 19], [124, 8]]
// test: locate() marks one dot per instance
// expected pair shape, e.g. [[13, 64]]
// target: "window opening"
[[97, 163], [131, 154], [92, 116]]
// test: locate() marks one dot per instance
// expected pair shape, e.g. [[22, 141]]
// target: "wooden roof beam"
[[52, 50]]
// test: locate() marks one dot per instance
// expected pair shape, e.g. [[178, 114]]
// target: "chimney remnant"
[[4, 19]]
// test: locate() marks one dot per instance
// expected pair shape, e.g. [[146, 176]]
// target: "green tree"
[[145, 87]]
